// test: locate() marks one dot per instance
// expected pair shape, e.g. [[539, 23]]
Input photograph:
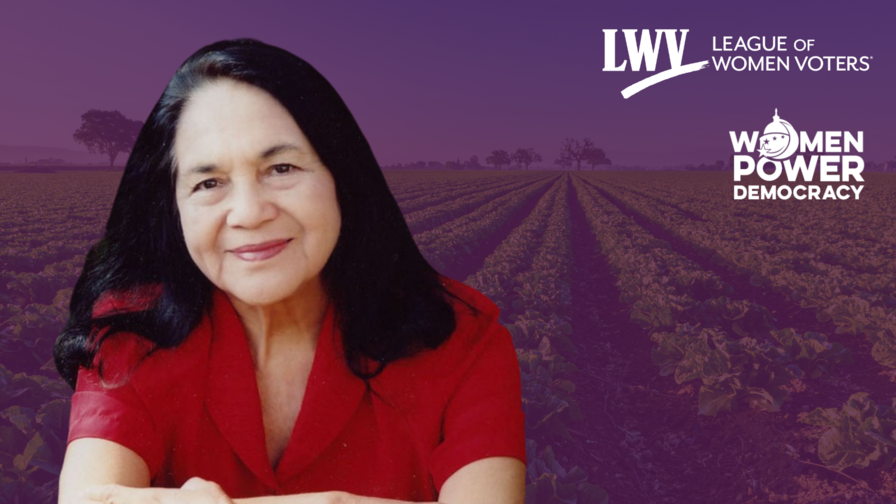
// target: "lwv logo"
[[648, 51]]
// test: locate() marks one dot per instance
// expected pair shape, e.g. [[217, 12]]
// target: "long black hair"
[[389, 302]]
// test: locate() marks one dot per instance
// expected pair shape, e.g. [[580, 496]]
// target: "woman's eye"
[[282, 168], [206, 184]]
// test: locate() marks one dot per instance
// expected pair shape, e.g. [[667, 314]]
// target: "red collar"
[[332, 395]]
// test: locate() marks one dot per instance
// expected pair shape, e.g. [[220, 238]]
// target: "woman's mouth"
[[260, 251]]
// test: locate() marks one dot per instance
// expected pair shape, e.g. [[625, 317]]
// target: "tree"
[[498, 158], [473, 163], [572, 150], [453, 165], [525, 157], [107, 133], [562, 162], [596, 157]]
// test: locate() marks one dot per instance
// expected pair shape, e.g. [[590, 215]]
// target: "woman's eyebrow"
[[267, 153], [273, 151], [201, 169]]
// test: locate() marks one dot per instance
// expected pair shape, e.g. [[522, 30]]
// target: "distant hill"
[[16, 154]]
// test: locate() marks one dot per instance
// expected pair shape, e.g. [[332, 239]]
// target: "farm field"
[[675, 345]]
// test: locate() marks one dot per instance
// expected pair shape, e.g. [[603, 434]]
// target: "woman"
[[257, 320]]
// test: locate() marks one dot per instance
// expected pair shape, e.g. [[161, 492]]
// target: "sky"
[[447, 80]]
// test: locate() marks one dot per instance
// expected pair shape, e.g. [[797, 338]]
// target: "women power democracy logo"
[[835, 156], [779, 140]]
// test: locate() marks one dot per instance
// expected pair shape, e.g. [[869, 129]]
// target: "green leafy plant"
[[812, 351], [732, 372], [34, 412], [552, 484], [861, 433], [531, 329], [548, 403]]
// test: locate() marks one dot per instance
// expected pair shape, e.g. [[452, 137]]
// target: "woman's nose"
[[250, 206]]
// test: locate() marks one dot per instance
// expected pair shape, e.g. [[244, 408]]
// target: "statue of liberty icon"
[[779, 140]]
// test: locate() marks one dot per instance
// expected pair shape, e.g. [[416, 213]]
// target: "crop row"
[[454, 242], [791, 230], [536, 258], [668, 292], [854, 221], [429, 218], [733, 370], [514, 254], [414, 204], [858, 303], [406, 185], [51, 218], [859, 266]]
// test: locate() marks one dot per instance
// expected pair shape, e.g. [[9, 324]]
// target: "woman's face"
[[257, 206]]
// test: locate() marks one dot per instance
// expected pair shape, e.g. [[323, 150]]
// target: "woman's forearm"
[[323, 498], [303, 498], [348, 498]]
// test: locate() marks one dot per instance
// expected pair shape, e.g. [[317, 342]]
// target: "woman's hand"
[[194, 491]]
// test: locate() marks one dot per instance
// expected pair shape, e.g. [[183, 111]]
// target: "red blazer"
[[195, 410]]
